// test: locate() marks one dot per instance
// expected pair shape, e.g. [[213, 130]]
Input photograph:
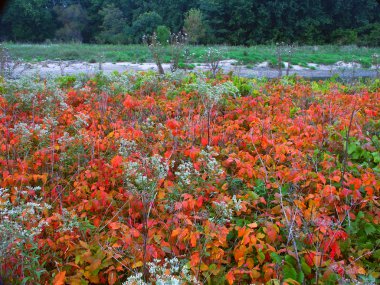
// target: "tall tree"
[[28, 21], [194, 26], [227, 21], [146, 23], [73, 19], [114, 23]]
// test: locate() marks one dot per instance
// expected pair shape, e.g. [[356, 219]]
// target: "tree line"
[[236, 22]]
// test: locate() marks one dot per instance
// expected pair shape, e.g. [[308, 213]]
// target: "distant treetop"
[[236, 22]]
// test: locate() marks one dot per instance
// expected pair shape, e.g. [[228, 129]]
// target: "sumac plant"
[[144, 179]]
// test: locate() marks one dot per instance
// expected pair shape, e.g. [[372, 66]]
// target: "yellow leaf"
[[204, 267], [161, 195], [84, 244], [44, 178], [375, 274], [255, 274], [253, 225], [75, 281], [361, 270], [137, 264], [94, 265], [250, 263], [291, 281], [260, 236]]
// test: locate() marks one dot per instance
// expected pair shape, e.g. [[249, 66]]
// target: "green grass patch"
[[328, 54]]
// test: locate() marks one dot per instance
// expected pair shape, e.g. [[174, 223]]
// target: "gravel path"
[[344, 70]]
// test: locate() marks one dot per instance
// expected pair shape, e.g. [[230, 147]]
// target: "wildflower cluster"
[[69, 221], [224, 211], [212, 166], [143, 174], [186, 173], [127, 147], [170, 272], [211, 95], [21, 220]]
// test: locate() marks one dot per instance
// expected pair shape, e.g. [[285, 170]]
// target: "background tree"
[[194, 26], [73, 20], [28, 21], [163, 34], [146, 23], [114, 23], [225, 21]]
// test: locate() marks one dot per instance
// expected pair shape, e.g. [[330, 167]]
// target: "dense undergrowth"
[[135, 179]]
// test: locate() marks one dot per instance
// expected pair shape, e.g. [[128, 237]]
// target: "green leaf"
[[276, 258], [301, 277], [305, 268], [369, 229], [351, 148], [291, 260], [290, 272], [376, 254], [376, 157]]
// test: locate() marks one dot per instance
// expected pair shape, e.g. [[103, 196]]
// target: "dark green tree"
[[28, 21], [227, 21], [73, 19], [146, 23], [114, 23]]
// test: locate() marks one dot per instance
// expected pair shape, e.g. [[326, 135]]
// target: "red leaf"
[[204, 141], [116, 161], [173, 124]]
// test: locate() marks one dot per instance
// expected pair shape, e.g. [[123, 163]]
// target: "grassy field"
[[139, 53]]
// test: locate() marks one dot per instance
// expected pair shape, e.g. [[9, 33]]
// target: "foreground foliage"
[[182, 179]]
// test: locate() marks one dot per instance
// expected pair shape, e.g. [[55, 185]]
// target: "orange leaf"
[[114, 225], [59, 279], [195, 258], [239, 253], [230, 277], [176, 232], [193, 239], [252, 226], [112, 278]]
